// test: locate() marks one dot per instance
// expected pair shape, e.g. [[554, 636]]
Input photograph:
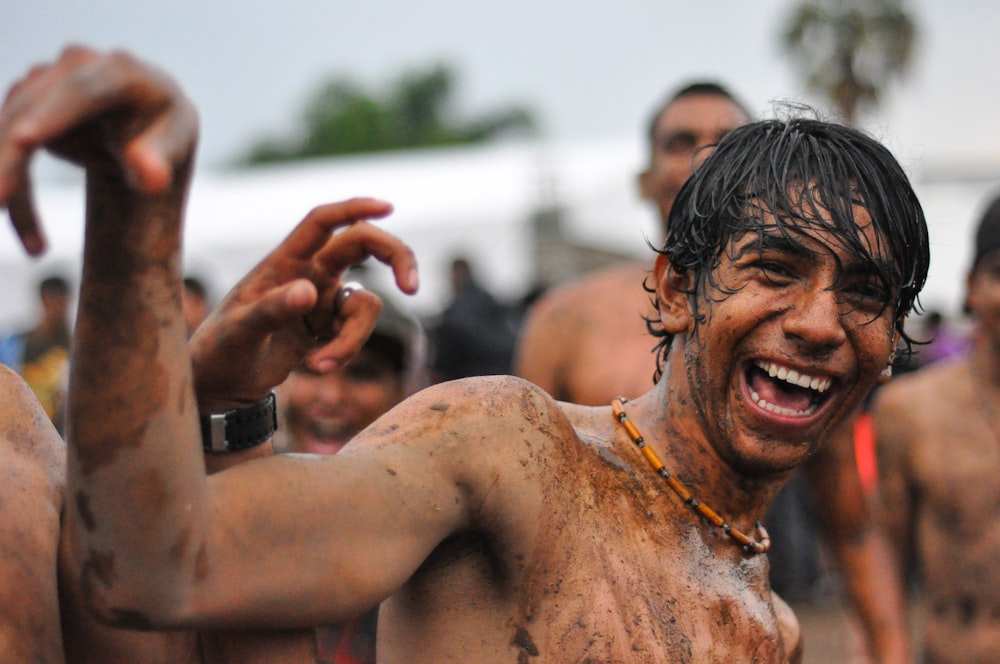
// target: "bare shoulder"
[[27, 437], [483, 408], [566, 336], [33, 478], [473, 431], [488, 447], [581, 294]]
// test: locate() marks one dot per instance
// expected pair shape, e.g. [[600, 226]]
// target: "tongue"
[[780, 393]]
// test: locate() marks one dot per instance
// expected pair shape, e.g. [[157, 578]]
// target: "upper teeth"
[[794, 377]]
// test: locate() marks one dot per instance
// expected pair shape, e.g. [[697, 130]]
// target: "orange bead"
[[679, 488]]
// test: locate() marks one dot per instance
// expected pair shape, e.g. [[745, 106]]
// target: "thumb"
[[281, 305]]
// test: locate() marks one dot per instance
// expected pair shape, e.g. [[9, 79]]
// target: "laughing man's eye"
[[865, 294], [774, 272]]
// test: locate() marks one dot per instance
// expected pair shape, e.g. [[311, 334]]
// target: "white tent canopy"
[[475, 201]]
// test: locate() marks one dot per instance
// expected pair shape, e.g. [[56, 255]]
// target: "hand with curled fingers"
[[127, 123], [294, 307]]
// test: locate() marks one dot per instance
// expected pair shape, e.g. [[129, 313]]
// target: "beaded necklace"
[[748, 544]]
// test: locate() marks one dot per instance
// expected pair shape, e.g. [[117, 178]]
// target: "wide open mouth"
[[784, 391]]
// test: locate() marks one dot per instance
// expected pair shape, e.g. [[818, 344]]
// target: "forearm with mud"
[[135, 466]]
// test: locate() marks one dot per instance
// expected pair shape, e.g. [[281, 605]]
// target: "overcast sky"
[[587, 69]]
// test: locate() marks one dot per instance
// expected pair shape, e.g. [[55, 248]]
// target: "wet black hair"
[[799, 170]]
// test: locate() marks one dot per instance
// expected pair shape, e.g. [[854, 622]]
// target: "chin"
[[313, 445], [768, 459]]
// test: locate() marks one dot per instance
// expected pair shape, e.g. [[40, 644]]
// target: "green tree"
[[342, 117], [849, 50]]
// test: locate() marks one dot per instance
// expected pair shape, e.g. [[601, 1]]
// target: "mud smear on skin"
[[99, 572], [598, 507], [121, 416]]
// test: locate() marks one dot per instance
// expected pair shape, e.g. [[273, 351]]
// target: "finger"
[[280, 308], [66, 94], [358, 315], [24, 218], [83, 86], [313, 232], [18, 123], [150, 159], [362, 240]]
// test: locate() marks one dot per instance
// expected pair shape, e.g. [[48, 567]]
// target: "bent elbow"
[[125, 603]]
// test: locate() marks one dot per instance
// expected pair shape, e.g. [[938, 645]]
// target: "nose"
[[815, 318], [330, 388]]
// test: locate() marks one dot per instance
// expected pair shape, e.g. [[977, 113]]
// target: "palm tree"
[[849, 50]]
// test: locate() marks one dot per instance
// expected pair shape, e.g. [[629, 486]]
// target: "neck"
[[739, 499]]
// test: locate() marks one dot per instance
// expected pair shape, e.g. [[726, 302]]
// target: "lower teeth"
[[778, 410]]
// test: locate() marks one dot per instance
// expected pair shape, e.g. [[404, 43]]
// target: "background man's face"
[[984, 296], [55, 306], [322, 412], [686, 125]]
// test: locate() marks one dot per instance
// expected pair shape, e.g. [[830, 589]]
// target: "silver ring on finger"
[[346, 289]]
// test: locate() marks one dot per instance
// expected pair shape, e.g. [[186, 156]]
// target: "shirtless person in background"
[[492, 522], [938, 437], [586, 342]]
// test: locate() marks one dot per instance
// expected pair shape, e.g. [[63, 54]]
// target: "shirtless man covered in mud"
[[586, 342], [492, 522]]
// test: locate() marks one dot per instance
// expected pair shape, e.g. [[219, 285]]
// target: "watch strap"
[[240, 428]]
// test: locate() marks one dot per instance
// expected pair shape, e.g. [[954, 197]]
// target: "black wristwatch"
[[241, 428]]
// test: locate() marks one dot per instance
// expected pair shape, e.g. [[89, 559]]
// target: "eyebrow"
[[775, 242], [853, 266]]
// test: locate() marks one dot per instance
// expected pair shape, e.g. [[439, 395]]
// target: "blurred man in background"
[[938, 440], [321, 412], [41, 354]]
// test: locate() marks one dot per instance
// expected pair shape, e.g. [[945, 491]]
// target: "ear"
[[643, 180], [675, 309], [970, 304], [886, 375]]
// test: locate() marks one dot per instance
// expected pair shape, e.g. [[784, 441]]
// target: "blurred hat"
[[398, 335]]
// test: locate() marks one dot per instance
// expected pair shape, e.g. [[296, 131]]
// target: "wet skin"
[[796, 306], [484, 507], [498, 523], [586, 342]]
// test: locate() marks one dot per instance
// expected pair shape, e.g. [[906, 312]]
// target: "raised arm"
[[275, 542]]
